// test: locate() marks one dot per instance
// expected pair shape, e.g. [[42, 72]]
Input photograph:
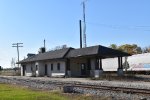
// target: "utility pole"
[[80, 25], [17, 45]]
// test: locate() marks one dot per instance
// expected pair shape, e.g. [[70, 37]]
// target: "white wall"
[[55, 71], [41, 68], [110, 64], [28, 71]]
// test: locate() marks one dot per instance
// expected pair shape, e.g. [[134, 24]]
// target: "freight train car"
[[139, 63]]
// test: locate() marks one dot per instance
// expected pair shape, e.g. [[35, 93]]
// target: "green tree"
[[113, 46], [131, 49], [139, 50], [127, 48]]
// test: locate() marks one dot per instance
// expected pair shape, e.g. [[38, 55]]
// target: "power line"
[[121, 27]]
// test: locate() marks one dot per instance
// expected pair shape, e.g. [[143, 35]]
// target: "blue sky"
[[57, 21]]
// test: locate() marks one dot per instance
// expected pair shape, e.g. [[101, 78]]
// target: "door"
[[24, 69], [45, 69], [83, 69]]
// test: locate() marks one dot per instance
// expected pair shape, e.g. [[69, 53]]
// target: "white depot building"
[[82, 62]]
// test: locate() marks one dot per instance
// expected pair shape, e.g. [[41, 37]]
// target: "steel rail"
[[88, 86], [110, 88]]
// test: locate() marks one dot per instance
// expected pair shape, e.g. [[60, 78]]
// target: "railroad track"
[[109, 88], [96, 87]]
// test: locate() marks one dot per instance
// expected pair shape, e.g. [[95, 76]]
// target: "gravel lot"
[[47, 83]]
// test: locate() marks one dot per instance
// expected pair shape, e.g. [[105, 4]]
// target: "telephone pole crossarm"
[[17, 45]]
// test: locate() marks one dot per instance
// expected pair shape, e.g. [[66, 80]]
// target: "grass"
[[13, 92], [87, 97]]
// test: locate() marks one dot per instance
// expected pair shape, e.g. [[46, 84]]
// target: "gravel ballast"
[[47, 83]]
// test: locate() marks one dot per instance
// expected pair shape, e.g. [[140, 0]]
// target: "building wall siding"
[[41, 68], [93, 64], [57, 72], [75, 66], [28, 71], [92, 67]]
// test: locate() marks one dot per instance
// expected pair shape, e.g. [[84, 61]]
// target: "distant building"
[[82, 62]]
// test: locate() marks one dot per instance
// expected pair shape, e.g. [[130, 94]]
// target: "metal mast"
[[17, 45], [84, 27]]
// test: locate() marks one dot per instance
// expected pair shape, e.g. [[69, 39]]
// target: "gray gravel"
[[47, 83]]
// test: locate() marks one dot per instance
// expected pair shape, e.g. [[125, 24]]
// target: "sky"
[[57, 21]]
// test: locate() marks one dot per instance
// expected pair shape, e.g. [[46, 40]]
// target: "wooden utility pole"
[[17, 45], [80, 25]]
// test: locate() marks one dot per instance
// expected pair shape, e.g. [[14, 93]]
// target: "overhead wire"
[[121, 27]]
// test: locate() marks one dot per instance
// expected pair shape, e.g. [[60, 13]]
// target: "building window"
[[51, 67], [31, 69], [58, 66], [45, 69], [83, 66], [24, 69], [36, 66]]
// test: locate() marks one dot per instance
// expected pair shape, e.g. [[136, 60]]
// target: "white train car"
[[137, 63]]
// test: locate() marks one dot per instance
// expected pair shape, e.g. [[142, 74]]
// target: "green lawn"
[[13, 92]]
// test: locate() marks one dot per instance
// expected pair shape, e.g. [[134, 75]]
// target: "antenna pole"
[[84, 30], [44, 43]]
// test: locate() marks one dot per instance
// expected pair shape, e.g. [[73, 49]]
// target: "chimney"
[[42, 50]]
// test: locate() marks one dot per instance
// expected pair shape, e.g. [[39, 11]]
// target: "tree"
[[113, 46], [126, 48], [146, 49], [126, 64], [139, 50], [131, 49], [13, 63]]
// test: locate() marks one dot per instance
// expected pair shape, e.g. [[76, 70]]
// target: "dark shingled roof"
[[56, 54], [108, 52], [93, 50], [98, 50]]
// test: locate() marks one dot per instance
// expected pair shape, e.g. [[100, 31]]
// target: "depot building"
[[70, 62]]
